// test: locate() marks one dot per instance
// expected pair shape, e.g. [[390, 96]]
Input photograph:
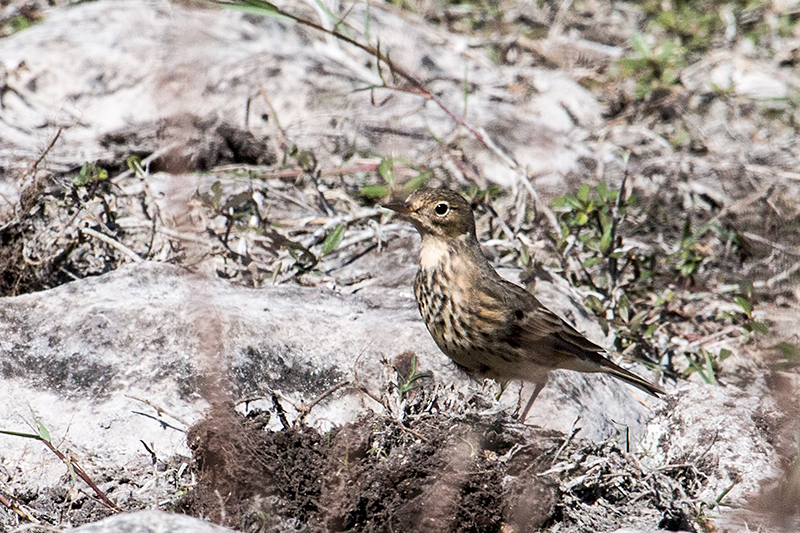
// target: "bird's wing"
[[550, 341]]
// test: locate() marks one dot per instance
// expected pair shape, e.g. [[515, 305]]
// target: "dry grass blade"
[[44, 437]]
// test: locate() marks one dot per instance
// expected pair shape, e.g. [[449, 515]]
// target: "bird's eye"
[[441, 209]]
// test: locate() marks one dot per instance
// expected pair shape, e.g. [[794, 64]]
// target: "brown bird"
[[488, 326]]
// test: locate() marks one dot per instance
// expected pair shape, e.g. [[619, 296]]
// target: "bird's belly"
[[446, 324], [468, 337]]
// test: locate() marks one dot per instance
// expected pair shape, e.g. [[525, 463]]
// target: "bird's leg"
[[503, 386], [538, 386]]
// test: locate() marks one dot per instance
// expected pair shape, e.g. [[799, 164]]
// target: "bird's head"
[[437, 212]]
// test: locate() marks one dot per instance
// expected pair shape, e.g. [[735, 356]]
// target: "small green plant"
[[691, 22], [589, 221], [333, 239], [745, 301], [476, 195], [386, 172], [235, 209], [74, 470], [689, 257], [718, 501], [89, 174], [407, 384], [25, 20], [706, 364], [618, 279], [654, 68]]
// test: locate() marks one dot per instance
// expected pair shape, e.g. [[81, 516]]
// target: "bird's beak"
[[400, 207]]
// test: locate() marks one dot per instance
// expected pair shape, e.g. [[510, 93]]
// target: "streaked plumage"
[[489, 326]]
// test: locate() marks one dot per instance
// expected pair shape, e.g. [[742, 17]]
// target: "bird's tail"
[[629, 377]]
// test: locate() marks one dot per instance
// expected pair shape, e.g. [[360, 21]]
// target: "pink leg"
[[538, 386]]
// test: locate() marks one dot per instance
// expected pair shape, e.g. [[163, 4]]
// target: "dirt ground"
[[432, 472]]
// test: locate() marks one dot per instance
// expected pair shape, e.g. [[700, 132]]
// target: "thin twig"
[[164, 424], [49, 147], [159, 410], [112, 242], [783, 276], [780, 247], [763, 169], [276, 404], [146, 161], [558, 21], [733, 208], [408, 429], [572, 434], [292, 174], [37, 528], [615, 220], [17, 508], [417, 86], [306, 409], [281, 132], [83, 475]]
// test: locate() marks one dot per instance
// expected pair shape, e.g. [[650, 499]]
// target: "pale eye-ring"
[[441, 209]]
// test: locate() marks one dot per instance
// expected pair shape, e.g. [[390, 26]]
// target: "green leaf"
[[591, 261], [386, 170], [524, 256], [561, 201], [623, 308], [305, 260], [43, 433], [89, 173], [789, 350], [666, 298], [134, 163], [583, 192], [605, 241], [594, 303], [216, 189], [20, 434], [687, 231], [376, 191], [602, 192], [760, 327], [417, 181], [745, 305], [573, 202], [687, 269], [640, 45], [581, 219], [651, 329], [638, 318], [708, 375], [307, 161], [724, 354], [333, 239], [256, 7]]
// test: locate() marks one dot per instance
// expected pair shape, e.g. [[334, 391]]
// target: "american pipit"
[[488, 326]]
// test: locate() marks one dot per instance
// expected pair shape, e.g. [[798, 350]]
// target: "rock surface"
[[84, 354]]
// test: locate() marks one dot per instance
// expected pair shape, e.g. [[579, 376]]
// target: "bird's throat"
[[434, 253]]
